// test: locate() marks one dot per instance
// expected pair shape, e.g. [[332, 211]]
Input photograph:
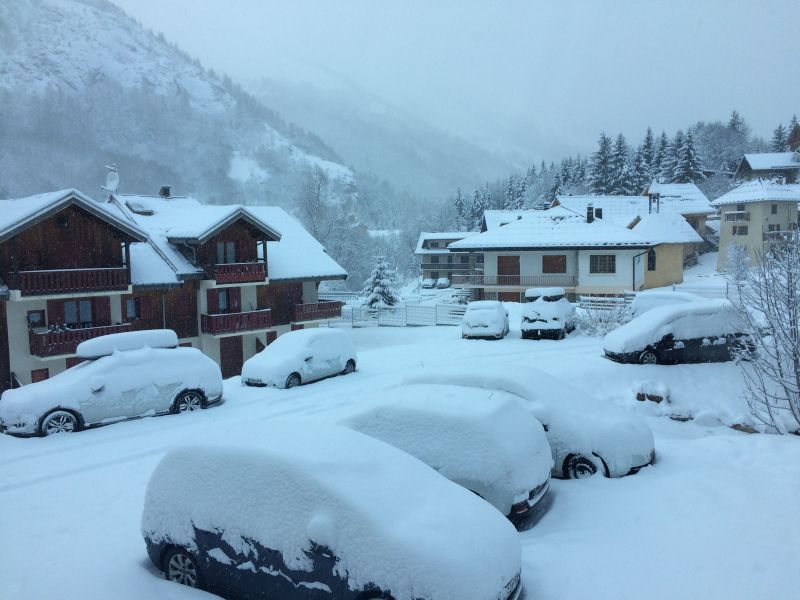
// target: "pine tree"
[[642, 176], [662, 147], [737, 125], [779, 138], [554, 190], [667, 173], [461, 211], [380, 286], [648, 150], [688, 167], [600, 178], [621, 175], [475, 211], [792, 123]]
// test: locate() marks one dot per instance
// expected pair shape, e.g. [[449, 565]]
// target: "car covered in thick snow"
[[301, 356], [701, 331], [298, 511], [485, 441], [442, 283], [124, 375], [585, 435], [485, 319], [649, 299], [547, 313], [428, 284]]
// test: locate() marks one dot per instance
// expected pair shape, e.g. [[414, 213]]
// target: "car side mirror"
[[97, 384]]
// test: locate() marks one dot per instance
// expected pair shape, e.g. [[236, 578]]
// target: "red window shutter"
[[213, 300], [101, 310], [234, 299], [55, 312]]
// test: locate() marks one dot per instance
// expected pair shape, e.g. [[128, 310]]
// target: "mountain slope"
[[82, 84]]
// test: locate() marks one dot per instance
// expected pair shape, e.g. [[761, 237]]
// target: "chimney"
[[164, 192], [653, 199], [589, 213]]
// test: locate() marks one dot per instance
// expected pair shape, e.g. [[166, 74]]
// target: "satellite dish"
[[112, 179]]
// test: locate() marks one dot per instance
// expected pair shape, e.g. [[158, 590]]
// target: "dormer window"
[[226, 253]]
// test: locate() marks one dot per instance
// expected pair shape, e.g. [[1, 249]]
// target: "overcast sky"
[[516, 73]]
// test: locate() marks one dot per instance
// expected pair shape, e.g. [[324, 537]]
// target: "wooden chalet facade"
[[74, 269]]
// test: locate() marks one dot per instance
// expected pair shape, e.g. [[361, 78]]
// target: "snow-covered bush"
[[380, 287], [597, 322]]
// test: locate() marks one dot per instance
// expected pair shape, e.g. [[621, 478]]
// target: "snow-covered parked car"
[[443, 283], [299, 511], [701, 331], [585, 435], [428, 284], [485, 319], [547, 313], [124, 375], [649, 299], [300, 357], [482, 440]]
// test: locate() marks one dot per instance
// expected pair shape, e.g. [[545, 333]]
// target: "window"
[[39, 375], [602, 263], [434, 244], [222, 301], [479, 258], [554, 264], [36, 319], [449, 260], [774, 209], [132, 308], [740, 230], [740, 208], [226, 253], [78, 313], [435, 260], [773, 227], [464, 259], [434, 274], [651, 260]]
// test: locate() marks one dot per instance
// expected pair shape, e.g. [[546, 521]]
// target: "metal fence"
[[404, 316], [606, 302]]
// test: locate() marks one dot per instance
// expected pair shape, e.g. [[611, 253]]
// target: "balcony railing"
[[56, 343], [240, 272], [516, 280], [71, 281], [778, 237], [737, 215], [236, 322], [317, 310]]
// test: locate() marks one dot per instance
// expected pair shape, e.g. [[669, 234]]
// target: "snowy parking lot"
[[715, 517]]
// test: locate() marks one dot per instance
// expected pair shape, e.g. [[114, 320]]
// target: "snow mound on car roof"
[[704, 318], [476, 437], [390, 519], [129, 340]]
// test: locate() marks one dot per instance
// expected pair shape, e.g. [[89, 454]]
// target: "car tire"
[[189, 401], [350, 367], [179, 565], [293, 380], [561, 334], [578, 467], [59, 421], [648, 357]]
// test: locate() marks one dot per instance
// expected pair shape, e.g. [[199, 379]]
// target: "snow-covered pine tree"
[[778, 142], [662, 148], [475, 211], [621, 173], [461, 211], [648, 150], [688, 166], [737, 125], [556, 188], [667, 173], [792, 124], [600, 178], [380, 287], [578, 175], [641, 171]]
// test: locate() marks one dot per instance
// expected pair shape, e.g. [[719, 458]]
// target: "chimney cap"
[[165, 191]]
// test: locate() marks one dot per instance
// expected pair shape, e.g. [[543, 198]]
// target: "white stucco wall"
[[614, 283]]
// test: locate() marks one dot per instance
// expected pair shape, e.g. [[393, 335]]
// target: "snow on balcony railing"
[[70, 281], [240, 272], [317, 311], [236, 322]]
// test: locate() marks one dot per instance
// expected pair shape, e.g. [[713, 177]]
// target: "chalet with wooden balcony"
[[227, 279], [437, 262]]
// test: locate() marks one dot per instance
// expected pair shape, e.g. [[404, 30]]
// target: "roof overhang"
[[271, 234], [641, 246], [340, 277]]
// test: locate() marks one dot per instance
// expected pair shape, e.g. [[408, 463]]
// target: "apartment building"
[[436, 261]]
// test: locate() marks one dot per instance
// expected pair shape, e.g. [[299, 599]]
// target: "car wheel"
[[350, 367], [293, 380], [561, 334], [181, 567], [578, 467], [188, 401], [648, 357], [59, 421]]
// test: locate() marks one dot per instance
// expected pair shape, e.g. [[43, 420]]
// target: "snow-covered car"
[[298, 511], [701, 331], [124, 375], [547, 313], [482, 440], [301, 356], [649, 299], [485, 319], [443, 283], [428, 284], [585, 435]]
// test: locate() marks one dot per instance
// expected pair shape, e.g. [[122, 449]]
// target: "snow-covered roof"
[[766, 161], [17, 214], [667, 228], [759, 190], [557, 227], [622, 210], [684, 191], [496, 218], [439, 235]]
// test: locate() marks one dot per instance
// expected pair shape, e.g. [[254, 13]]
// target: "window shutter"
[[213, 301], [55, 312], [234, 299], [101, 310]]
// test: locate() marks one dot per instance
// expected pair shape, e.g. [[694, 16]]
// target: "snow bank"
[[390, 519], [483, 440], [130, 340], [690, 320]]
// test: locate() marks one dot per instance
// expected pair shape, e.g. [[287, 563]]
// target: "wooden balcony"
[[236, 322], [57, 343], [70, 281], [476, 280], [249, 272], [317, 311]]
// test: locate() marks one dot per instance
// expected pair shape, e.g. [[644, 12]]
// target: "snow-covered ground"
[[715, 517]]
